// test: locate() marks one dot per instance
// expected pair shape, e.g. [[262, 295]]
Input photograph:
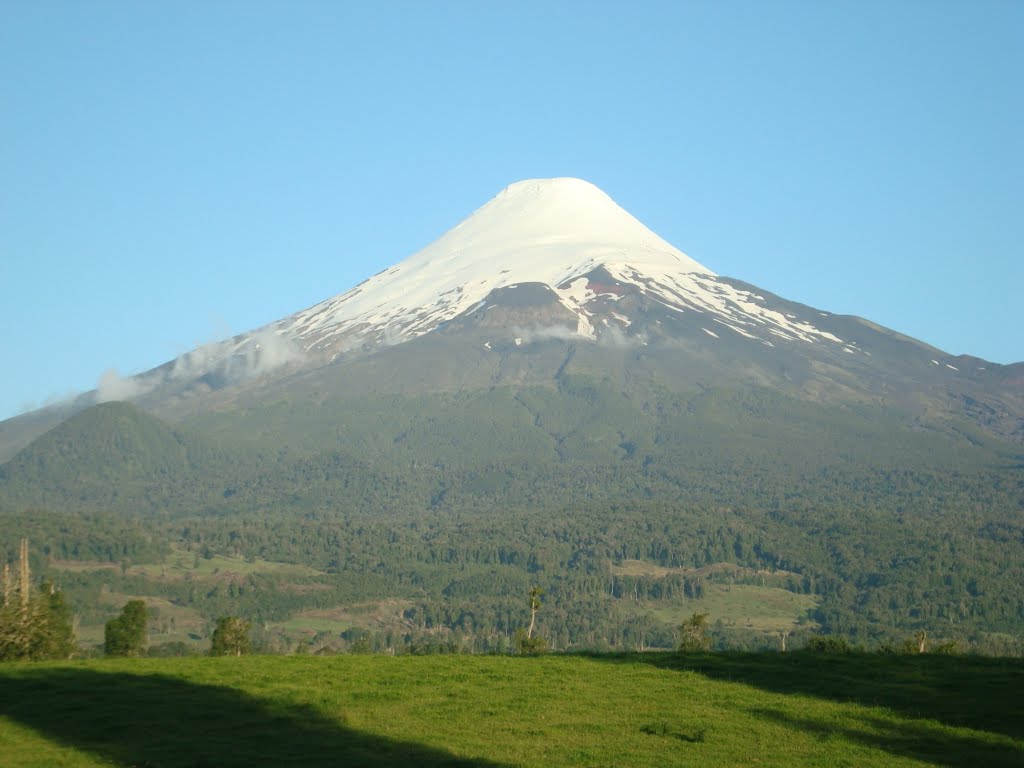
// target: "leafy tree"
[[125, 635], [54, 637], [231, 637], [361, 644], [694, 633]]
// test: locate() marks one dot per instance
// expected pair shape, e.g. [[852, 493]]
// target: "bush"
[[175, 648], [828, 644], [126, 634], [530, 646]]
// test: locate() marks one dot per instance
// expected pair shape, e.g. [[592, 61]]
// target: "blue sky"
[[171, 173]]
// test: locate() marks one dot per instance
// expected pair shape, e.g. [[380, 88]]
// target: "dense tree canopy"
[[125, 635], [231, 637]]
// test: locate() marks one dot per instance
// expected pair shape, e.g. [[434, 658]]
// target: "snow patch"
[[742, 332], [577, 292]]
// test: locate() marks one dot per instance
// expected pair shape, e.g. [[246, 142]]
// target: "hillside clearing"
[[742, 605]]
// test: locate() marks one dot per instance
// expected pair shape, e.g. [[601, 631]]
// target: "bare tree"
[[535, 594], [8, 585], [525, 641], [24, 579]]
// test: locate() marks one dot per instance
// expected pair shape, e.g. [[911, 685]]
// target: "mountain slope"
[[556, 260], [546, 391], [110, 455]]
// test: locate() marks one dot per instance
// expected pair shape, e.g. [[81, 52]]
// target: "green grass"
[[629, 567], [374, 615], [181, 562], [741, 605], [632, 710]]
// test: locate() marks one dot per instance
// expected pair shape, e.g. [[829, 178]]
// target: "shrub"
[[694, 633], [828, 644]]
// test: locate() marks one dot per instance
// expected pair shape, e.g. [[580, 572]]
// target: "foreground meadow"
[[632, 710]]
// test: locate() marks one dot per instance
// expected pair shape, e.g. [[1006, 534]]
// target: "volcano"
[[549, 276], [551, 393]]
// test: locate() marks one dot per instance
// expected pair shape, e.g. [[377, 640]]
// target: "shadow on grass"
[[917, 739], [165, 722], [979, 693]]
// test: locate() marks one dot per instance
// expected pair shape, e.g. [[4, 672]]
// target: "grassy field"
[[644, 568], [181, 564], [741, 605], [379, 614], [633, 710], [764, 607]]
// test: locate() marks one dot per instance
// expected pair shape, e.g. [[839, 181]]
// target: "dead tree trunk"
[[24, 577], [535, 594], [8, 585]]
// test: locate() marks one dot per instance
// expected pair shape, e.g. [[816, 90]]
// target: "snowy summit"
[[555, 232], [549, 231]]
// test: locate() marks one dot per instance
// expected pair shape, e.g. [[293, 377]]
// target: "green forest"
[[421, 525]]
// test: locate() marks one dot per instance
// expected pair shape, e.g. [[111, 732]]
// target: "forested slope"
[[454, 504]]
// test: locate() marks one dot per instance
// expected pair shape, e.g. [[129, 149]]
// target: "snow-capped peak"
[[543, 227], [555, 232], [541, 230]]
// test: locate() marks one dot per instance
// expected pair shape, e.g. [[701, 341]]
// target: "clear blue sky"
[[171, 172]]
